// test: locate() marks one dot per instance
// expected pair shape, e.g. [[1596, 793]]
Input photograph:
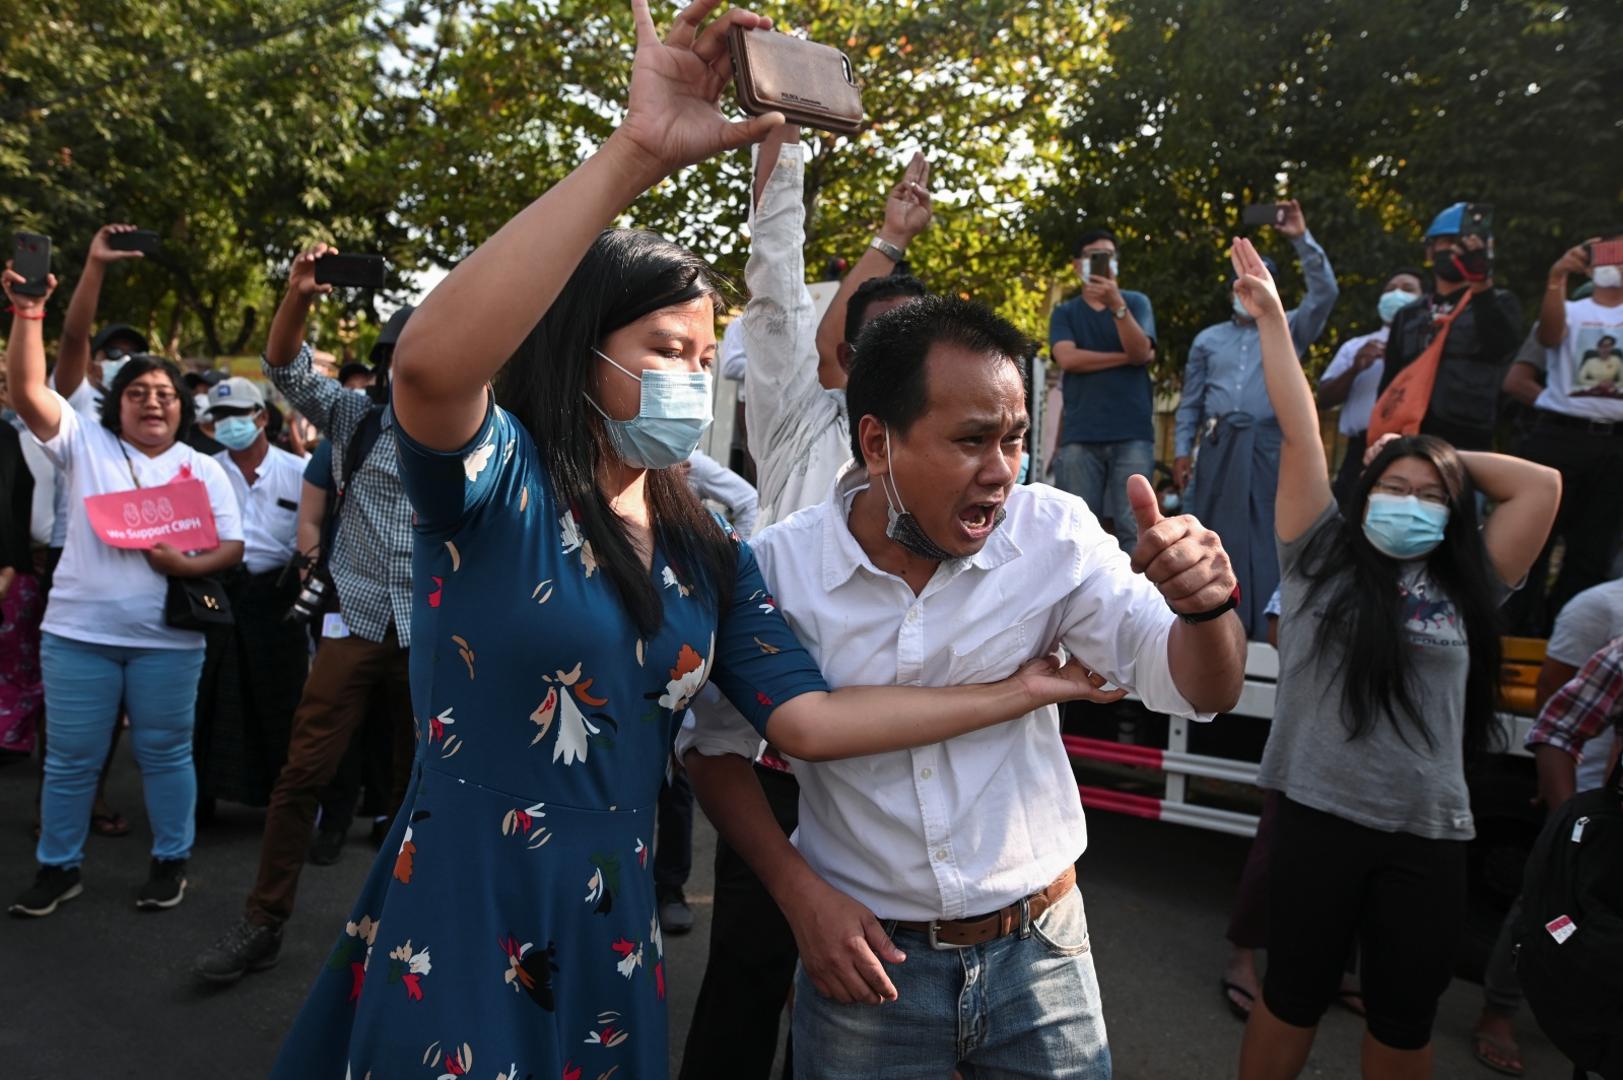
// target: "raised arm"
[[1526, 496], [907, 214], [472, 322], [1307, 322], [73, 352], [40, 409], [1304, 472], [1552, 311]]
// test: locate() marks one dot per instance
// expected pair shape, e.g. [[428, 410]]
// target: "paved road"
[[101, 990]]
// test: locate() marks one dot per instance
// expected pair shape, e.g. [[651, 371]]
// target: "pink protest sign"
[[176, 514]]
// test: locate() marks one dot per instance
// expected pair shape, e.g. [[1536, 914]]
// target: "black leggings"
[[1401, 896]]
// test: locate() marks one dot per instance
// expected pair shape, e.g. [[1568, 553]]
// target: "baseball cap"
[[118, 330], [234, 393]]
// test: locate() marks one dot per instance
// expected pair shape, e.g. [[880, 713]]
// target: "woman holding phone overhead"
[[572, 598], [1389, 664]]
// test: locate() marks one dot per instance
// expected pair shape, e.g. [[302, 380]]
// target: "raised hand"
[[1181, 557], [301, 276], [26, 307], [102, 252], [1374, 449], [672, 116], [1294, 223], [1254, 285], [907, 209], [1574, 261]]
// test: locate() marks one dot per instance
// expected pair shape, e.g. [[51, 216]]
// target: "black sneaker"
[[165, 887], [380, 831], [245, 947], [327, 847], [675, 917], [52, 885]]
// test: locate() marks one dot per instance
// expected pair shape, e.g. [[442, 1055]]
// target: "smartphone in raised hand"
[[31, 257], [810, 84], [143, 240], [1099, 264], [356, 271], [1264, 214]]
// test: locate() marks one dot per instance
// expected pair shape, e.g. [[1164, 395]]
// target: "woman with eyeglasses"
[[106, 644], [1388, 676]]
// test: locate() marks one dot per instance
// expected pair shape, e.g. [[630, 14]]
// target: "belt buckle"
[[1025, 917], [936, 943]]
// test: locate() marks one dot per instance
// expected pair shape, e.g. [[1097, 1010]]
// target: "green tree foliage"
[[1374, 113]]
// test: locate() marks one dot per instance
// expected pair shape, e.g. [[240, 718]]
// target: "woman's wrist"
[[634, 167]]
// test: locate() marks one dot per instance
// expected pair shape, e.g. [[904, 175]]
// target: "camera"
[[314, 594]]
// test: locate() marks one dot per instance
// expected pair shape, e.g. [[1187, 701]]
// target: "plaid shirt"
[[1584, 707], [371, 558]]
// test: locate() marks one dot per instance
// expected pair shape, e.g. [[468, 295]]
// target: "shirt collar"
[[843, 555]]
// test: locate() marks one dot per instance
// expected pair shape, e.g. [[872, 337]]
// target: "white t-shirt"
[[1587, 622], [102, 594], [270, 508], [1366, 384], [1585, 372]]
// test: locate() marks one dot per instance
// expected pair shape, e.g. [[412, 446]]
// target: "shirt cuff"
[[709, 729], [1543, 734]]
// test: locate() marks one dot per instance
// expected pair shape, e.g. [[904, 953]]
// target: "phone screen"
[[1606, 253], [32, 259], [1099, 263], [1263, 214], [362, 271]]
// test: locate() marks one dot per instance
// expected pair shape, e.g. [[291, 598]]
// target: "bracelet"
[[24, 315], [888, 249], [1220, 610]]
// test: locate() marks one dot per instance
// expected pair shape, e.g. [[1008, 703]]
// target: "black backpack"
[[1569, 942]]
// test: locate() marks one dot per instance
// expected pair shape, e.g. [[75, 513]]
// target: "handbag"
[[191, 603], [1403, 404]]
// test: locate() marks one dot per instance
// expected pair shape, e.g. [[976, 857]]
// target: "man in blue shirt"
[[1103, 340], [1225, 401]]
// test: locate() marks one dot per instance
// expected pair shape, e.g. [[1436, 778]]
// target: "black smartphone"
[[359, 271], [1477, 221], [1263, 214], [32, 259], [1099, 264], [143, 240]]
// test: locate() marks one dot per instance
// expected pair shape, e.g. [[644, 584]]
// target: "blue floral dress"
[[510, 928]]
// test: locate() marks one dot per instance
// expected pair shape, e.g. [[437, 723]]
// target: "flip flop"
[[109, 824], [1351, 1000], [1510, 1063], [1241, 1012]]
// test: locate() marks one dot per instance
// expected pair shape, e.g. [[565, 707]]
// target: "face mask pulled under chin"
[[674, 412], [903, 528]]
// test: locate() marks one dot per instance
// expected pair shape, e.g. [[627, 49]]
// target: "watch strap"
[[1217, 612], [888, 249]]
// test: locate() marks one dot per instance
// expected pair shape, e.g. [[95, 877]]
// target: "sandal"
[[111, 823], [1506, 1059], [1241, 1012]]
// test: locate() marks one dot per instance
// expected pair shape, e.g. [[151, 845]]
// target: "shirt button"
[[942, 855], [912, 614], [926, 772]]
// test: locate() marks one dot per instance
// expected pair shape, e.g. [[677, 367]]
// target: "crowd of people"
[[489, 580]]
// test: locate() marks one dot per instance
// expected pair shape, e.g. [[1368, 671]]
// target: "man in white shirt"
[[927, 565], [255, 670], [1353, 378]]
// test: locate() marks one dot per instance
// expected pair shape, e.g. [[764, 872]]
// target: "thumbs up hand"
[[1183, 558]]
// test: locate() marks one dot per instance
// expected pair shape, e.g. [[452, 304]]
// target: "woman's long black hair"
[[1354, 591], [112, 402], [625, 275]]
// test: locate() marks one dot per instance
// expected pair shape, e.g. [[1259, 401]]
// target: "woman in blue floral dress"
[[571, 599]]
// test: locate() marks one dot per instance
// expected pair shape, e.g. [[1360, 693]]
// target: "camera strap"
[[361, 441]]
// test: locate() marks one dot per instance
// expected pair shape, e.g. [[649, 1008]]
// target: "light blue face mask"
[[673, 415], [1239, 309], [1395, 301], [1403, 526], [236, 432]]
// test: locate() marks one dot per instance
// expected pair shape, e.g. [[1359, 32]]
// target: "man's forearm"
[[1552, 312], [1333, 392], [1072, 358], [73, 353], [1208, 662], [731, 796], [287, 330], [1135, 343], [831, 328]]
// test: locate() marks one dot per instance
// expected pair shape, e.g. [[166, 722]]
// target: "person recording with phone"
[[255, 668], [107, 635], [1354, 374], [1225, 404], [365, 642], [1481, 340], [1104, 341]]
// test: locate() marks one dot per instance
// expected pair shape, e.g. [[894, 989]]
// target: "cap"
[[391, 331], [1447, 223], [234, 393], [118, 330], [211, 377]]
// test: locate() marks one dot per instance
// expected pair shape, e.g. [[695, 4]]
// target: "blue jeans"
[[1014, 1007], [85, 685], [1097, 474]]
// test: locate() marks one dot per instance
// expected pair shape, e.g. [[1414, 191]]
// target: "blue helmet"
[[1447, 223]]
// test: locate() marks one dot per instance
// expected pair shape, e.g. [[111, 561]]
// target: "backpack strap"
[[361, 441]]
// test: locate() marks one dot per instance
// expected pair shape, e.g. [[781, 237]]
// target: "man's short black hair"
[[352, 369], [1414, 272], [887, 378], [880, 288], [1093, 236]]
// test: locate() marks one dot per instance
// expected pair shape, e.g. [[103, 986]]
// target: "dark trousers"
[[371, 762], [1248, 922], [341, 682], [751, 965], [1591, 467], [673, 846]]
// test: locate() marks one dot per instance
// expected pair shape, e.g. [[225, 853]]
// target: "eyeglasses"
[[140, 395], [1434, 496]]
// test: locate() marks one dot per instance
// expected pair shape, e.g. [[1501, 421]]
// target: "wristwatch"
[[1222, 609], [888, 249], [1120, 313]]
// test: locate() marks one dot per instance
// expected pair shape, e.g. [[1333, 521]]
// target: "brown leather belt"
[[962, 933]]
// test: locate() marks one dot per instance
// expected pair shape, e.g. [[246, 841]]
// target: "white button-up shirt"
[[1366, 385], [270, 508], [966, 826]]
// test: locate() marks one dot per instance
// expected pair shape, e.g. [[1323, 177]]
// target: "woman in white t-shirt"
[[106, 643]]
